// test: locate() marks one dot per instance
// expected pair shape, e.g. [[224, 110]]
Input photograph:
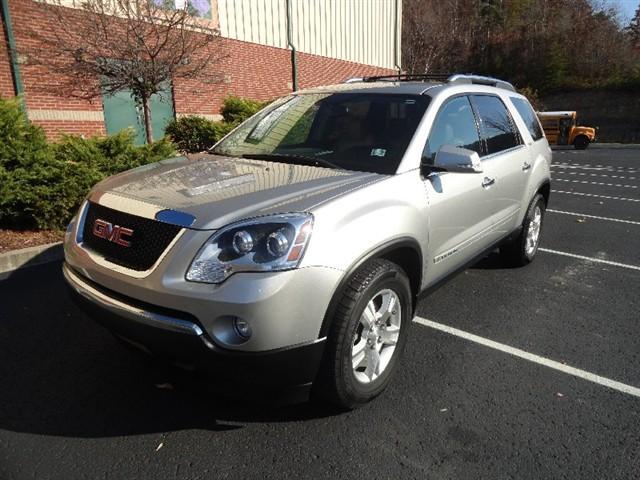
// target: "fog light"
[[242, 327]]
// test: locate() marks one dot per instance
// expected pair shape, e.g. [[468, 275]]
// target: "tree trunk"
[[147, 118]]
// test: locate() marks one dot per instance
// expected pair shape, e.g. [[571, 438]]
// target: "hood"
[[213, 191], [585, 130]]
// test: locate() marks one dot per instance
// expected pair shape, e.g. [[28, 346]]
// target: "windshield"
[[354, 131]]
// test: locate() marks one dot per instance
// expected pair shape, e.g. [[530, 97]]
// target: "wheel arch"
[[405, 252], [545, 191]]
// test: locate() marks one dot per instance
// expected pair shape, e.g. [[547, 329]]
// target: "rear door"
[[506, 160], [460, 207]]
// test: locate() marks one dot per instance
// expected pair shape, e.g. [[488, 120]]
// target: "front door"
[[461, 205]]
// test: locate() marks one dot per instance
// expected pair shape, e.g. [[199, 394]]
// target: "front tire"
[[581, 142], [522, 250], [367, 335]]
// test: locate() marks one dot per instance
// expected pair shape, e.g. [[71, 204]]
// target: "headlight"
[[266, 244]]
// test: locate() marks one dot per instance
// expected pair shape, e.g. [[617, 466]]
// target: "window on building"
[[196, 8]]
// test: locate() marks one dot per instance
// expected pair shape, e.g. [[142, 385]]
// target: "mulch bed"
[[17, 239]]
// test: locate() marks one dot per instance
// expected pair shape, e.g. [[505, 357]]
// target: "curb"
[[28, 257]]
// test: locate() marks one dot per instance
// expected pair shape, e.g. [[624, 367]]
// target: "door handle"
[[526, 166], [487, 182]]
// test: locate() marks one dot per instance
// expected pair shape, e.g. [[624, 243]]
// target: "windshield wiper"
[[282, 157]]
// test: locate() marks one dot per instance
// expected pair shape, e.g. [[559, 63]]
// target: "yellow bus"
[[561, 129]]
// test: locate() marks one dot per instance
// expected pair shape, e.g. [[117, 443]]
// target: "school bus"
[[561, 129]]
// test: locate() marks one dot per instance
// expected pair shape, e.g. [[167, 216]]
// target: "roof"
[[399, 88], [410, 84]]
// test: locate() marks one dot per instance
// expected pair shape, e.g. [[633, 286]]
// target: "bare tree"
[[436, 35], [96, 47], [536, 43]]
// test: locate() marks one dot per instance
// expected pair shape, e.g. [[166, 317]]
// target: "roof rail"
[[480, 80], [437, 77], [402, 77]]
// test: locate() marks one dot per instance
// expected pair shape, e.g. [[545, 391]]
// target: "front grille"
[[147, 242]]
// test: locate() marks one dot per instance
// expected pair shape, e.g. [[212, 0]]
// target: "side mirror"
[[457, 160]]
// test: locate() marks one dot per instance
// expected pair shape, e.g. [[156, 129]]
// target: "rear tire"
[[522, 250], [367, 335], [581, 142]]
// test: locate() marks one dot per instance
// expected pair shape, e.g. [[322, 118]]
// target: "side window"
[[455, 125], [496, 124], [529, 117]]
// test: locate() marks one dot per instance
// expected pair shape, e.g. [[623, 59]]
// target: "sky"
[[627, 8]]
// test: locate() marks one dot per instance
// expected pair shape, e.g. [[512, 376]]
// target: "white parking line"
[[596, 175], [589, 165], [606, 169], [590, 259], [597, 196], [516, 352], [594, 183], [593, 216]]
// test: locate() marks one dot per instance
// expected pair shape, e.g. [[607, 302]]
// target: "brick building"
[[334, 39]]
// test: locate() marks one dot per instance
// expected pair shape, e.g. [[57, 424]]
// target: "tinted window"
[[529, 117], [496, 124], [455, 125], [355, 131]]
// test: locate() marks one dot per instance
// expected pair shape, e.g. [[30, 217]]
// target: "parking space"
[[491, 392]]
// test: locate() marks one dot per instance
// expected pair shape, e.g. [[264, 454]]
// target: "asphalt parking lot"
[[508, 373]]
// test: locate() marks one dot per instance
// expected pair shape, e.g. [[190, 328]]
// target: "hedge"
[[195, 134], [236, 109], [42, 184]]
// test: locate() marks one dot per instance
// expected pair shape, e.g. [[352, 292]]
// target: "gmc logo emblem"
[[112, 233]]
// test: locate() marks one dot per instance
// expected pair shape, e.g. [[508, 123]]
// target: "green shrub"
[[42, 185], [195, 134], [235, 109], [21, 143]]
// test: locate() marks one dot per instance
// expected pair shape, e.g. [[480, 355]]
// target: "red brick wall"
[[26, 15], [56, 128], [261, 73], [314, 70], [245, 69], [6, 81]]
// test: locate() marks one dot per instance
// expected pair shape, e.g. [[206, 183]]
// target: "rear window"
[[496, 124], [529, 117]]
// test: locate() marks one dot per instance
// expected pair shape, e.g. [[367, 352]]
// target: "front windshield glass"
[[354, 131]]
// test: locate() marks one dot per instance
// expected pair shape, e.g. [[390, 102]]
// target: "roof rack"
[[401, 77], [438, 77], [480, 80]]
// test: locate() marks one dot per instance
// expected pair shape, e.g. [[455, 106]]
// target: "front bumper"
[[179, 337], [283, 309]]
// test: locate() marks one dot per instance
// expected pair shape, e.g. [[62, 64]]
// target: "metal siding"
[[361, 31]]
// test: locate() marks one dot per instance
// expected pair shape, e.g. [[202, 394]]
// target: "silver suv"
[[290, 256]]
